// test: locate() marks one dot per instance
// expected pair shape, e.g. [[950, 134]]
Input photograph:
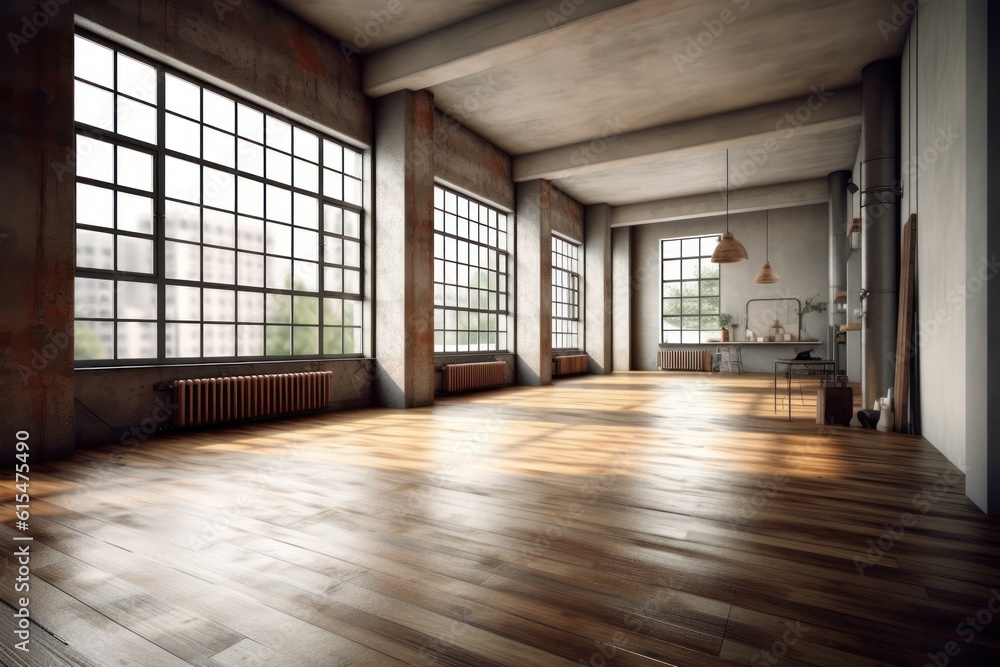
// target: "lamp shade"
[[729, 250], [766, 275]]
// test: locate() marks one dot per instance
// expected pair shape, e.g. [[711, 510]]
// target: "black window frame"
[[706, 244], [502, 312], [322, 296], [566, 293]]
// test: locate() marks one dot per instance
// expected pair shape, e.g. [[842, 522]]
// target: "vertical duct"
[[839, 245], [880, 194]]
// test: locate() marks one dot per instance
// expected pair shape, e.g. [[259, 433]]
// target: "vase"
[[725, 335]]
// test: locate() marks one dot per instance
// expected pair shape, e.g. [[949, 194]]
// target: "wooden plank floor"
[[632, 519]]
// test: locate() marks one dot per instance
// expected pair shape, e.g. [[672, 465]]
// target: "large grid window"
[[207, 228], [470, 275], [690, 290], [565, 294]]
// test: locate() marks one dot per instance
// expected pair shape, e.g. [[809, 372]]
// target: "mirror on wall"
[[772, 320]]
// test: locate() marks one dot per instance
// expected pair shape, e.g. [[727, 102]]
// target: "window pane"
[[93, 62], [278, 341], [136, 79], [306, 340], [250, 340], [183, 180], [135, 255], [137, 340], [306, 244], [306, 145], [183, 221], [306, 211], [251, 234], [94, 250], [250, 157], [250, 123], [94, 205], [307, 277], [220, 228], [279, 308], [250, 269], [279, 204], [136, 301], [279, 273], [136, 120], [279, 134], [305, 310], [219, 189], [219, 305], [183, 97], [219, 111], [135, 169], [183, 303], [183, 261], [306, 175], [251, 307], [250, 197], [95, 159], [94, 298], [93, 340], [135, 213], [94, 106], [672, 270], [219, 147], [220, 340], [352, 163], [333, 340], [183, 135], [279, 239], [183, 340], [219, 266]]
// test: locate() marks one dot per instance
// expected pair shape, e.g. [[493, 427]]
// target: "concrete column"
[[36, 233], [534, 282], [840, 245], [597, 286], [404, 249], [621, 298], [879, 225]]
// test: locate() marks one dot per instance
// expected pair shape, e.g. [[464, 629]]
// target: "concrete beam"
[[506, 34], [785, 195], [819, 112]]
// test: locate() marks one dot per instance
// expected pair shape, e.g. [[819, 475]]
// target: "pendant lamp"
[[766, 275], [729, 249]]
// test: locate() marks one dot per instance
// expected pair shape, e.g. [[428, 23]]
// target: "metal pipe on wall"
[[880, 194], [839, 245]]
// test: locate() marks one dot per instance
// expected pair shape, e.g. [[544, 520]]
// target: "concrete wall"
[[253, 48], [567, 216], [123, 406], [798, 251], [36, 237], [468, 163]]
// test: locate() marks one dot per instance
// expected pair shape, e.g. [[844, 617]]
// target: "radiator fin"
[[569, 364], [475, 375], [684, 360], [220, 400]]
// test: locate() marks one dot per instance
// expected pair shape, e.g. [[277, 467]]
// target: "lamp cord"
[[727, 189]]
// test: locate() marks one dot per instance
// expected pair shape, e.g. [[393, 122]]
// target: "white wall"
[[934, 187], [799, 240]]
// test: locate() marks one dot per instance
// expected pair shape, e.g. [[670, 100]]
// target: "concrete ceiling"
[[627, 101]]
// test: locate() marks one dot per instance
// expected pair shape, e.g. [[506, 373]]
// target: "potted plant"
[[725, 320]]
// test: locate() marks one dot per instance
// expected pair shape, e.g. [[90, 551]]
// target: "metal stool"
[[730, 356]]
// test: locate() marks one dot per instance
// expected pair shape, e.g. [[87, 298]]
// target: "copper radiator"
[[569, 364], [220, 400], [684, 360], [478, 375]]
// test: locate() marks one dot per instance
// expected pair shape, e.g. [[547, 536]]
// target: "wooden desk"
[[805, 367]]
